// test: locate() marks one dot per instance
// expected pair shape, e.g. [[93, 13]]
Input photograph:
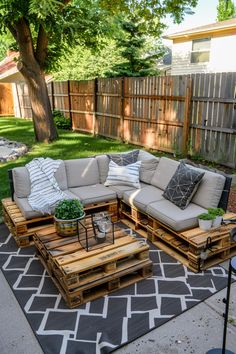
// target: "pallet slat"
[[81, 276], [23, 229], [185, 246]]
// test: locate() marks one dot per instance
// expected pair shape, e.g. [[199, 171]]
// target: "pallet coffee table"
[[82, 276]]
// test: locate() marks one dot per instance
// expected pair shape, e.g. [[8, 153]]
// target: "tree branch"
[[42, 46], [24, 39], [12, 30]]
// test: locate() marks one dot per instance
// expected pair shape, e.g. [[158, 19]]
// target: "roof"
[[8, 68], [212, 27], [9, 72]]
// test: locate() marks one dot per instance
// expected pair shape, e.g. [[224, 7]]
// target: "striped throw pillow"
[[123, 175]]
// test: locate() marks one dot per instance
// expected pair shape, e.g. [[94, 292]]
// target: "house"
[[14, 97], [209, 48]]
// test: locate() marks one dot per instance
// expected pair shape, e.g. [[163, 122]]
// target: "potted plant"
[[205, 221], [218, 216], [67, 214]]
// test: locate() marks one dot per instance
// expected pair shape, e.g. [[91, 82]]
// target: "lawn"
[[70, 145]]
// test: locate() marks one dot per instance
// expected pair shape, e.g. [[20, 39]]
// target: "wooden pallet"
[[185, 246], [82, 276], [23, 229]]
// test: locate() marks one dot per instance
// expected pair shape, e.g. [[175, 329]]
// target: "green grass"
[[70, 145]]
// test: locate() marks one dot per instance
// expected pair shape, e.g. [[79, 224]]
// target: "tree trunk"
[[44, 127]]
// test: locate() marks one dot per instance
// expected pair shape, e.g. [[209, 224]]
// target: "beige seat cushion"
[[93, 194], [172, 216], [28, 212], [82, 172], [26, 209], [141, 198], [120, 190]]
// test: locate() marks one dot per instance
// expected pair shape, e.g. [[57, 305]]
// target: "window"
[[200, 50]]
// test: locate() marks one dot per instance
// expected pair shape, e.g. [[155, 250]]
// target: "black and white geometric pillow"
[[124, 159], [183, 185]]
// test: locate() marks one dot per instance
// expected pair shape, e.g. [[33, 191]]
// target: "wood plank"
[[80, 255], [105, 257]]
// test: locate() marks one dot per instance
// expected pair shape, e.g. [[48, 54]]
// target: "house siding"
[[222, 57]]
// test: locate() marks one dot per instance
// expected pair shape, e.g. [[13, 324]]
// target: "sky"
[[204, 13]]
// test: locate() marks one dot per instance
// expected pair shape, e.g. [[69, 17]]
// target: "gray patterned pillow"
[[183, 185], [124, 159]]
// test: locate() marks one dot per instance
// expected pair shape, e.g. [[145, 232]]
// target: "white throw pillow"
[[123, 175]]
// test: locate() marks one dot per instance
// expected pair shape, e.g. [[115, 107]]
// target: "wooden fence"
[[6, 100], [193, 115]]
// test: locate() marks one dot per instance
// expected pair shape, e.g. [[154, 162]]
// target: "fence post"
[[52, 93], [122, 108], [69, 102], [95, 104], [186, 123]]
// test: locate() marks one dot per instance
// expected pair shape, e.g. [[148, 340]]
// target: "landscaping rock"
[[11, 150]]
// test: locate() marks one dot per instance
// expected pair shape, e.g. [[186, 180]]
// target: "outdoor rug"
[[105, 324]]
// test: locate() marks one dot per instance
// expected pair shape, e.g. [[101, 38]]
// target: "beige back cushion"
[[145, 155], [21, 180], [147, 169], [165, 170], [209, 190], [60, 176], [103, 167], [82, 172]]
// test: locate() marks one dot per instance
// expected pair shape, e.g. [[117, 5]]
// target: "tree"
[[83, 63], [42, 28], [225, 10], [138, 50]]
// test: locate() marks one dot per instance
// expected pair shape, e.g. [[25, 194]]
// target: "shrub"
[[61, 121], [68, 209]]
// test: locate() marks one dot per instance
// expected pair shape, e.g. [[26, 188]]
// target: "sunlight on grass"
[[70, 145]]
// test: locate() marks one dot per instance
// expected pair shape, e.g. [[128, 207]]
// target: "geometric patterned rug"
[[102, 325]]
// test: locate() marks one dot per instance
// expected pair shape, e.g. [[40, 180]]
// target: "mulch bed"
[[232, 200]]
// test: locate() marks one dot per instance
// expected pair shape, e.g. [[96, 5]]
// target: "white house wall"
[[222, 57]]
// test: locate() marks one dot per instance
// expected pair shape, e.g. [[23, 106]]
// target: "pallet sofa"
[[165, 223]]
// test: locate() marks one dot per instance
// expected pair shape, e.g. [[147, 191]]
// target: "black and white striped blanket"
[[45, 191]]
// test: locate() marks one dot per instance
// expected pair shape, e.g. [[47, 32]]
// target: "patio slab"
[[16, 335], [193, 332]]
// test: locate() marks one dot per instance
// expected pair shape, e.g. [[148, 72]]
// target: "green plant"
[[68, 209], [216, 211], [206, 216], [60, 120]]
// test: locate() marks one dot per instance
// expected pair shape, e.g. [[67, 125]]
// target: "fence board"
[[213, 134], [161, 112], [82, 102]]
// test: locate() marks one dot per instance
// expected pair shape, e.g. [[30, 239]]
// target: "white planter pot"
[[205, 224], [217, 221]]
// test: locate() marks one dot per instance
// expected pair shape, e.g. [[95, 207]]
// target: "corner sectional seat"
[[84, 179]]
